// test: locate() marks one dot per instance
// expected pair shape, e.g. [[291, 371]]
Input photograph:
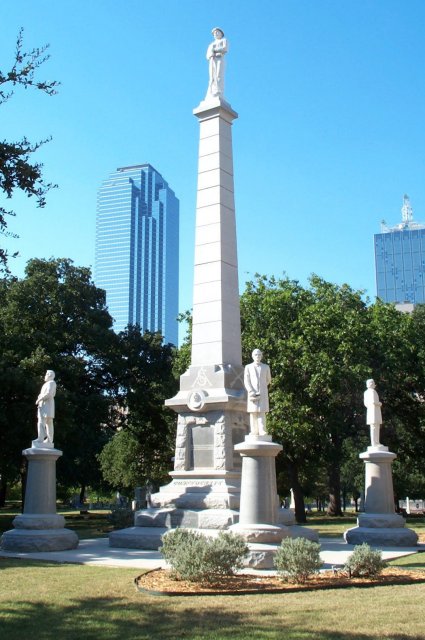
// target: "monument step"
[[39, 540], [381, 520], [381, 536], [148, 538], [191, 518]]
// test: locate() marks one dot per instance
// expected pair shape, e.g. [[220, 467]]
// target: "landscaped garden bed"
[[159, 581]]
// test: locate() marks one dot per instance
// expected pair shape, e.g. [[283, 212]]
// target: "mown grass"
[[330, 527], [49, 601], [414, 561]]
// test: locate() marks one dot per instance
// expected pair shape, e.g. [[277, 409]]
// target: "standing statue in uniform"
[[46, 411], [373, 414], [257, 378], [215, 55]]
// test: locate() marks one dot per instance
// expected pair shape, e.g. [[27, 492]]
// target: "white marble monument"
[[213, 422], [40, 528], [379, 524], [205, 488]]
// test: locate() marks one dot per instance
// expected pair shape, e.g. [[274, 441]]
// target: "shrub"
[[198, 558], [297, 558], [225, 553], [184, 550], [364, 561]]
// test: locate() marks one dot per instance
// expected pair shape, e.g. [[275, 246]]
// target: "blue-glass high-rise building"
[[400, 260], [137, 249]]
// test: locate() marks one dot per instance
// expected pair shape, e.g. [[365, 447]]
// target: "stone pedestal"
[[40, 528], [261, 521], [379, 525], [259, 499]]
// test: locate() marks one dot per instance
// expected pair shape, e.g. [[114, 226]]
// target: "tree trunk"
[[344, 500], [298, 494], [82, 493], [334, 507], [3, 491]]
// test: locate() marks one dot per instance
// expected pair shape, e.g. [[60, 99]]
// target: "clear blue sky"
[[330, 135]]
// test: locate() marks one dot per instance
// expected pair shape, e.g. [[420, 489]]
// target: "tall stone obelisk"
[[211, 401], [205, 489], [206, 481]]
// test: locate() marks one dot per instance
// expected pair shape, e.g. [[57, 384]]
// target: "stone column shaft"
[[40, 494], [259, 501], [379, 493], [216, 318]]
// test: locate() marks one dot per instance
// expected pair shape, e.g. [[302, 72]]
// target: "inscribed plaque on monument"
[[202, 454]]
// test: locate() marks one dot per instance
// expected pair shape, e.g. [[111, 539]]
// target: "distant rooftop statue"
[[407, 222], [215, 55]]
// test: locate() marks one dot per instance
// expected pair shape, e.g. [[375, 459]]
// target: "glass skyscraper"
[[400, 260], [137, 250]]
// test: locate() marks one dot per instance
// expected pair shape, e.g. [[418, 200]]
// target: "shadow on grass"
[[115, 618]]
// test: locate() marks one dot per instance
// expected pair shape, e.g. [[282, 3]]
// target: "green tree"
[[55, 318], [322, 343], [335, 331], [352, 469], [183, 353], [315, 340], [398, 366], [142, 448], [17, 171], [270, 313]]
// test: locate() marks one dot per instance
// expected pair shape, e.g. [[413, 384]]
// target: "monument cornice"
[[213, 108]]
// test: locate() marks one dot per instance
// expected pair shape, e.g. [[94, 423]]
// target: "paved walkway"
[[98, 552]]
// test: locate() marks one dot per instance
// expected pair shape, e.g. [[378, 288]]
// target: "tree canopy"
[[111, 387], [322, 342], [143, 445], [54, 318]]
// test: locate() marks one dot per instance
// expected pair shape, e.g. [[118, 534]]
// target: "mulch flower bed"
[[159, 582]]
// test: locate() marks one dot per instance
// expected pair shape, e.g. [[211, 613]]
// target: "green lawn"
[[414, 561], [328, 527], [69, 602]]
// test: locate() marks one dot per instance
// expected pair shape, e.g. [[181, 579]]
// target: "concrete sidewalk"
[[98, 552]]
